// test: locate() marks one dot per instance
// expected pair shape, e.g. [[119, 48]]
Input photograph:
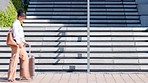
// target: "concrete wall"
[[143, 11], [4, 4]]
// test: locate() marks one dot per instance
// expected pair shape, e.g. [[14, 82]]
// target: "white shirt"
[[18, 32]]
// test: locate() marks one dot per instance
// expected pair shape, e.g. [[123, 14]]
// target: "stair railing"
[[88, 36]]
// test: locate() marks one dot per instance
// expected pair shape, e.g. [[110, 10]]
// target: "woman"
[[19, 50]]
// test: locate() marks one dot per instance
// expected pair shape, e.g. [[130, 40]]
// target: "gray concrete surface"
[[4, 4], [143, 11]]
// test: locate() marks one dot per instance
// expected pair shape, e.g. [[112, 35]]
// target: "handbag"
[[10, 40]]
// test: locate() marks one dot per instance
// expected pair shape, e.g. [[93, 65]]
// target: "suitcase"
[[31, 64]]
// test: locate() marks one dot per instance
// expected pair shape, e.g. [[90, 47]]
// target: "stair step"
[[58, 3], [82, 3], [82, 17], [79, 24], [48, 6], [76, 25], [100, 10], [47, 21], [77, 5], [84, 49], [83, 55], [81, 21], [82, 13], [84, 67], [84, 44], [55, 25], [50, 17], [84, 39], [84, 61], [66, 45], [80, 29], [77, 34], [81, 51]]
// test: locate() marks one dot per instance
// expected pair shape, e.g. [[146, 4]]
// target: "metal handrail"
[[88, 36]]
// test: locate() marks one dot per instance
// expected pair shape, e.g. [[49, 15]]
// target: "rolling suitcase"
[[31, 64]]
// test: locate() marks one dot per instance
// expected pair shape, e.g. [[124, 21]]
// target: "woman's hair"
[[21, 13]]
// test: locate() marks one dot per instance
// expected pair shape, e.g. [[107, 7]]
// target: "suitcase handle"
[[29, 50]]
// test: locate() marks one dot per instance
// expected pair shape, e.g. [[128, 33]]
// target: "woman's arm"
[[16, 34]]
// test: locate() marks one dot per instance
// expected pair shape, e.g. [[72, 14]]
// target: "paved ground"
[[83, 78]]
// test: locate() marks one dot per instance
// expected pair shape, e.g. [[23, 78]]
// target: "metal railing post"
[[88, 36]]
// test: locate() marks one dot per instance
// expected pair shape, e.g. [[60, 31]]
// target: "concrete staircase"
[[73, 13], [59, 38], [64, 48]]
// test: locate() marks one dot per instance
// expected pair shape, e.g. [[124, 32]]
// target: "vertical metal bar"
[[30, 50], [88, 36]]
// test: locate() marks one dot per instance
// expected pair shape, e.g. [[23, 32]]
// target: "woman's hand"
[[20, 45]]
